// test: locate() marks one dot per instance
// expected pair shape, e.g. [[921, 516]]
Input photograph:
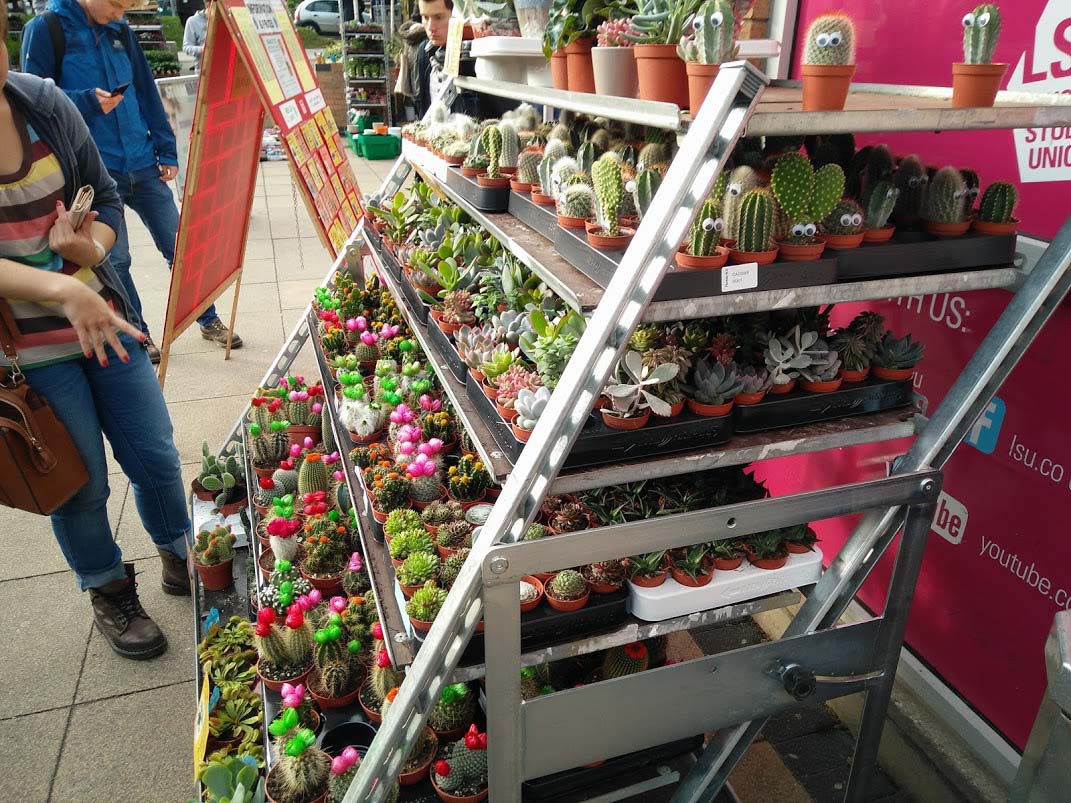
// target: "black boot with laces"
[[123, 622]]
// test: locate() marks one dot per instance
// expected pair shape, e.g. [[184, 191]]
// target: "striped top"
[[27, 211]]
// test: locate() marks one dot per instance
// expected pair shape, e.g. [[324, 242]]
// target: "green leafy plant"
[[410, 542], [550, 344], [628, 398], [649, 564], [568, 585], [766, 545], [898, 353], [418, 568], [714, 383], [399, 521], [693, 561], [660, 22], [232, 779]]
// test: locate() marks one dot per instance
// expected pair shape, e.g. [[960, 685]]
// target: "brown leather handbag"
[[40, 466]]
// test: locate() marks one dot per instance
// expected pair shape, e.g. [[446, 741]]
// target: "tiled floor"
[[80, 724]]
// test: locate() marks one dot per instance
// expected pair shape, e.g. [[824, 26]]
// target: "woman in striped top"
[[79, 347]]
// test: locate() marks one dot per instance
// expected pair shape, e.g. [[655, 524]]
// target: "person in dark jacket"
[[130, 127], [79, 348]]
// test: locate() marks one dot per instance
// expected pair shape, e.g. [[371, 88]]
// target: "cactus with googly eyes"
[[830, 41], [846, 218], [706, 229], [912, 183], [647, 184], [974, 185], [946, 200], [741, 181], [981, 29], [880, 205], [712, 41], [805, 195]]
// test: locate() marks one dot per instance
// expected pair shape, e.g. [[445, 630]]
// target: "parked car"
[[320, 15]]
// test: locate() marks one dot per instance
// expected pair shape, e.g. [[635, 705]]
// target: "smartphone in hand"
[[119, 90]]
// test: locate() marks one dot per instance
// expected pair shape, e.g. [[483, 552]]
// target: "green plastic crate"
[[378, 146]]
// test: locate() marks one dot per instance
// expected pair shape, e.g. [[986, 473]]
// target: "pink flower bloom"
[[356, 564]]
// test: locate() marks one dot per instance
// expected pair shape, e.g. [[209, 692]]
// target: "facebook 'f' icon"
[[983, 435]]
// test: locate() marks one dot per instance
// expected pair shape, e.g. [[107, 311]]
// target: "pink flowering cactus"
[[430, 405], [356, 563], [421, 466], [389, 331], [402, 415]]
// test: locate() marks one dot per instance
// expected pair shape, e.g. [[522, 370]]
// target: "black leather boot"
[[174, 578], [123, 622]]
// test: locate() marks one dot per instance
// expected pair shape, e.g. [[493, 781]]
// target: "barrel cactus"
[[651, 155], [755, 232], [741, 181], [609, 192], [946, 200], [998, 203], [462, 771], [528, 167], [511, 145], [313, 475], [492, 144], [846, 218], [713, 28], [706, 231], [805, 195], [981, 29], [578, 200], [627, 659], [973, 184], [568, 585], [880, 205], [830, 41], [912, 183]]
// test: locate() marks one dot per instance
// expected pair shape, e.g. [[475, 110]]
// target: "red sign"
[[998, 566]]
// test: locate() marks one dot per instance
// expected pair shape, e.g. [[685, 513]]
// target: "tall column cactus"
[[511, 145], [946, 201], [880, 204], [714, 26], [756, 222], [706, 231], [741, 181], [981, 29], [830, 41], [492, 145], [912, 182], [998, 202], [528, 167], [609, 192]]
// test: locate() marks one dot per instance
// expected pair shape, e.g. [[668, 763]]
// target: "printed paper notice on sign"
[[264, 19], [291, 115], [739, 277], [248, 31], [315, 99], [280, 62]]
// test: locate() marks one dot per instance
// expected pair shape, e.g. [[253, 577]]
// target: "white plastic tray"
[[671, 599], [204, 517]]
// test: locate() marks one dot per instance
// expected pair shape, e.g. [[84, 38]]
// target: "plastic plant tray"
[[915, 252], [486, 199], [803, 407]]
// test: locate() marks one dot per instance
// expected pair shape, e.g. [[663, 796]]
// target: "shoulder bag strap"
[[8, 337], [59, 41]]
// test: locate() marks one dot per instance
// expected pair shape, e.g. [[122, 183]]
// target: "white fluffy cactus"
[[361, 417]]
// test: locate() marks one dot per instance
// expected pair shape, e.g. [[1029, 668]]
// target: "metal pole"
[[502, 654]]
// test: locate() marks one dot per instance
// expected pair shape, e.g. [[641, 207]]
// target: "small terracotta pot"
[[470, 172], [728, 564], [566, 605], [448, 329], [216, 577], [508, 171], [200, 492], [277, 685], [420, 504], [520, 434], [596, 239], [747, 399], [768, 563], [842, 242], [519, 186], [543, 200], [946, 229], [446, 797], [490, 391], [761, 257], [686, 261], [266, 562], [709, 410], [454, 160], [466, 503], [408, 591], [531, 605], [892, 374], [578, 63], [231, 508], [419, 624], [297, 434], [327, 585], [662, 74], [674, 410], [499, 183], [800, 253], [1000, 229], [379, 515], [508, 414], [619, 422], [878, 235], [797, 549], [821, 387], [559, 69], [688, 581], [825, 86], [267, 778], [333, 702], [700, 79], [853, 377], [421, 772], [262, 472], [373, 716], [567, 222], [650, 582], [444, 551], [777, 390], [364, 439], [976, 85]]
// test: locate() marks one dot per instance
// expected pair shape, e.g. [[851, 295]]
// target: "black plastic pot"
[[359, 735]]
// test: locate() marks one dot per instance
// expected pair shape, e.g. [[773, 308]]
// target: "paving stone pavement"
[[80, 724]]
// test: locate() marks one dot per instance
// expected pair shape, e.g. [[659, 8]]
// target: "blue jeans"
[[151, 198], [123, 403]]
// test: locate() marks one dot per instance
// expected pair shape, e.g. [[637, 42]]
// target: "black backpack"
[[59, 42]]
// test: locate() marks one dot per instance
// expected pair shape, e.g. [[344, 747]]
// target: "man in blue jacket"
[[88, 49]]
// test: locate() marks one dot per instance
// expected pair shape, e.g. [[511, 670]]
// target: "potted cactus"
[[895, 358], [213, 556], [806, 196], [531, 590], [543, 194], [567, 591], [337, 671], [844, 227], [382, 677], [362, 418], [659, 25], [511, 148], [766, 550], [285, 652], [453, 536], [631, 403], [912, 181], [417, 570], [823, 374], [460, 774], [529, 405], [576, 205], [491, 139], [648, 570], [424, 604], [945, 211], [710, 44], [714, 388], [703, 250], [754, 240], [608, 232], [467, 481], [221, 480], [995, 214], [828, 63], [511, 382], [302, 771], [612, 62], [692, 567], [268, 446], [976, 79], [324, 563], [880, 202], [527, 171]]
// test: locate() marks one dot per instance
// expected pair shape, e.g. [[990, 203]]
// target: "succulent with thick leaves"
[[898, 353], [787, 355], [741, 181], [871, 325], [439, 513], [754, 380], [510, 383], [880, 204], [661, 22], [578, 201], [853, 348], [550, 344], [946, 200], [713, 28], [491, 142], [402, 520], [508, 326], [418, 569], [825, 363], [452, 567], [568, 585], [221, 476], [609, 192], [475, 344], [998, 203], [426, 602], [714, 383], [528, 167], [912, 182], [981, 29], [457, 307], [830, 41], [230, 779], [631, 396], [706, 231], [530, 405], [455, 535], [755, 233], [846, 218], [410, 542]]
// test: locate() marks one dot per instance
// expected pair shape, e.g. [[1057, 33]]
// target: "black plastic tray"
[[486, 199], [599, 443], [803, 407], [914, 252], [448, 351]]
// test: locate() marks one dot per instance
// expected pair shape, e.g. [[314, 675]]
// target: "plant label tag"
[[740, 277], [455, 33]]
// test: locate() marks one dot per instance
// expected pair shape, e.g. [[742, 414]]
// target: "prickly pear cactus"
[[713, 27], [880, 204], [609, 192], [756, 222], [998, 202], [528, 167], [706, 231], [912, 182], [830, 41], [511, 145], [647, 183], [492, 144], [741, 181], [806, 196], [578, 200], [846, 218], [946, 200], [981, 29]]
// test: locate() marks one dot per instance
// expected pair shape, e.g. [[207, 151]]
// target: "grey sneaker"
[[217, 333]]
